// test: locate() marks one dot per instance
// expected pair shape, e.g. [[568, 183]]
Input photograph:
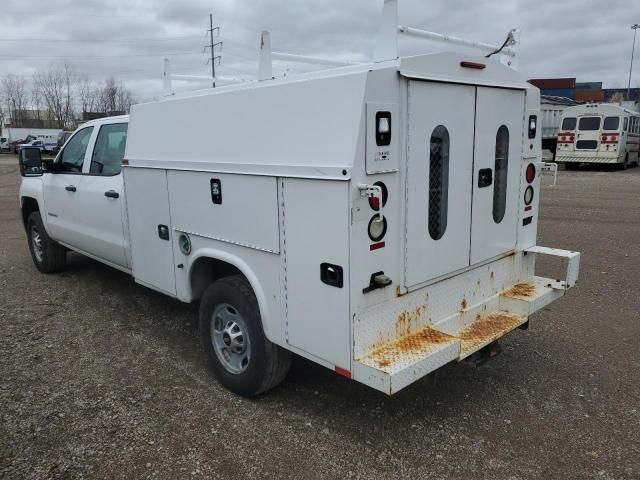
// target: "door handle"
[[111, 194], [70, 188]]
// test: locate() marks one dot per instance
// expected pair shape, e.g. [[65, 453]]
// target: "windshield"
[[611, 123], [589, 123], [569, 123]]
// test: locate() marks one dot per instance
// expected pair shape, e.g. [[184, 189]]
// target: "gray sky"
[[587, 39]]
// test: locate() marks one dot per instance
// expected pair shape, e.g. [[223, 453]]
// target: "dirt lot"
[[102, 378]]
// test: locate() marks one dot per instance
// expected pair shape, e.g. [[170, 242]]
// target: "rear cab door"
[[101, 195]]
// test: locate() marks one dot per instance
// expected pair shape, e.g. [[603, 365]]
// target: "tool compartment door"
[[496, 180], [439, 173], [147, 196]]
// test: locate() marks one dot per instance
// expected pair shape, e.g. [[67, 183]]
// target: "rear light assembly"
[[528, 195], [609, 138], [377, 228], [530, 174], [566, 137], [374, 202]]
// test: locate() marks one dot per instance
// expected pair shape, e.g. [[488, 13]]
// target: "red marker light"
[[531, 173], [474, 65]]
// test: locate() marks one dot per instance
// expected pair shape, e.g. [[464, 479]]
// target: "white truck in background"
[[378, 219], [13, 137]]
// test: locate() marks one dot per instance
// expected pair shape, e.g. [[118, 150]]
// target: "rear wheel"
[[47, 254], [571, 166], [236, 349]]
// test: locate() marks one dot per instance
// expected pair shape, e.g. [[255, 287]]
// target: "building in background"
[[556, 87]]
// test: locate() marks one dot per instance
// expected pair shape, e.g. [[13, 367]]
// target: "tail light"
[[528, 195], [374, 202], [377, 228], [566, 137], [530, 173], [609, 138]]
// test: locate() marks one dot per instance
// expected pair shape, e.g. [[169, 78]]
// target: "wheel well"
[[29, 205], [207, 270]]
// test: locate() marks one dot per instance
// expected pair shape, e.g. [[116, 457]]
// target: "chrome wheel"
[[36, 243], [229, 339]]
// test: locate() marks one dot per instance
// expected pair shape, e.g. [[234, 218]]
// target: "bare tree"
[[114, 97], [14, 98], [87, 95], [55, 85]]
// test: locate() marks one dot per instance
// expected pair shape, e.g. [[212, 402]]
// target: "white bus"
[[598, 133]]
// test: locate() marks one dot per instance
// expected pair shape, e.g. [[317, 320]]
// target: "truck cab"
[[79, 195]]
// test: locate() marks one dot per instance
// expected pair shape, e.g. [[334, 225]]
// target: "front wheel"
[[47, 254], [236, 349]]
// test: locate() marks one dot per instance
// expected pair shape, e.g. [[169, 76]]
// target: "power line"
[[100, 40], [103, 56]]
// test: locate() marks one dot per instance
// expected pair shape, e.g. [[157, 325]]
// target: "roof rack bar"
[[265, 60], [387, 42], [289, 57], [418, 33]]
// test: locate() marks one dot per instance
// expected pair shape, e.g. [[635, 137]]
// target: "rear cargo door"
[[588, 132], [439, 176], [496, 172]]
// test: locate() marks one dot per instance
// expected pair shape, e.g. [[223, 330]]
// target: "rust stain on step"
[[463, 304], [412, 344], [521, 290], [487, 328], [408, 322]]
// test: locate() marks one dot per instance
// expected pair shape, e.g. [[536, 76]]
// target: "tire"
[[47, 254], [233, 340]]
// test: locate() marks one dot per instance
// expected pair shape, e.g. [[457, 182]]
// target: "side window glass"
[[109, 150], [438, 182], [501, 171], [626, 120], [72, 156]]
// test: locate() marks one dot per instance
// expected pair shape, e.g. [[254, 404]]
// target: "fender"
[[270, 328], [32, 187]]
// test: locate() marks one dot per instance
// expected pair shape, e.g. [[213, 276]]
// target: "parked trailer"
[[599, 133], [378, 219]]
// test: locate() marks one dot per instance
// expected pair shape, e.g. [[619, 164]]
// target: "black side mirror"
[[30, 162]]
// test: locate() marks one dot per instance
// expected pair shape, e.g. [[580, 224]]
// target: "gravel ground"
[[102, 378]]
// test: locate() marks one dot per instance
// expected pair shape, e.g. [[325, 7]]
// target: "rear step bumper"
[[427, 344]]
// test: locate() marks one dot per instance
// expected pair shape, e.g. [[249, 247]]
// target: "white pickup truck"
[[378, 219]]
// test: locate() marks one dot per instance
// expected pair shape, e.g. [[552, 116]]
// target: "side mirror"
[[30, 162], [48, 165]]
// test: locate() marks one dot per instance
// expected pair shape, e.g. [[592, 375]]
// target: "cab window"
[[109, 150], [72, 156]]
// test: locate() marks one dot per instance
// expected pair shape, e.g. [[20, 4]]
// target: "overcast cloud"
[[128, 39]]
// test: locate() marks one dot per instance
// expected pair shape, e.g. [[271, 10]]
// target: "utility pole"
[[635, 28], [213, 46]]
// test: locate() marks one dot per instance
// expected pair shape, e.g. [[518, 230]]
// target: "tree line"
[[58, 97]]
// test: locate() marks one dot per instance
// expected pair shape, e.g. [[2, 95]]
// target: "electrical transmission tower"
[[212, 46]]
